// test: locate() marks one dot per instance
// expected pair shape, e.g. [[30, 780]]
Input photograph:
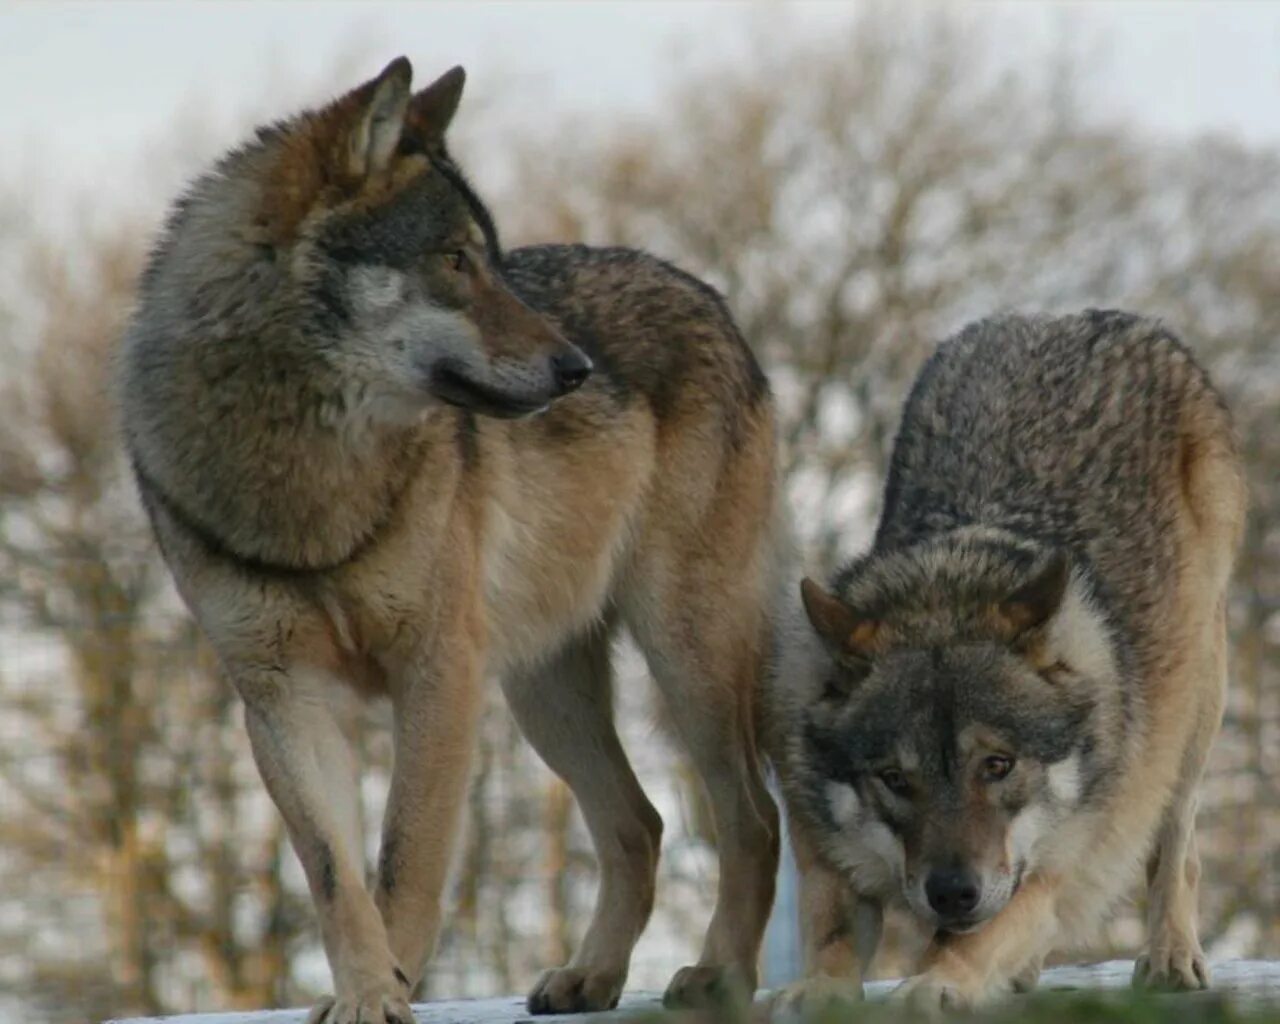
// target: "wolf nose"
[[952, 894], [570, 368]]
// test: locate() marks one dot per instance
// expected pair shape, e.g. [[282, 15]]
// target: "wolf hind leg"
[[1174, 958], [747, 841], [1216, 496], [708, 681], [565, 710]]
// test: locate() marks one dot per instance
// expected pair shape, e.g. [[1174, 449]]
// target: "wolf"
[[385, 459], [998, 714]]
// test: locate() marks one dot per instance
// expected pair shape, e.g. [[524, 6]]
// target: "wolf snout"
[[953, 894], [569, 369]]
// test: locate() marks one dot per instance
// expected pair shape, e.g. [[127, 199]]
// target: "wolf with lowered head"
[[385, 459], [998, 716]]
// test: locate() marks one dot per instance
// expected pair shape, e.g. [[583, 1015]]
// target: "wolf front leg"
[[437, 708], [841, 932], [970, 970], [307, 765]]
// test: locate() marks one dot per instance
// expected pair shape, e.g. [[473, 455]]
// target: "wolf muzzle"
[[953, 895], [569, 370]]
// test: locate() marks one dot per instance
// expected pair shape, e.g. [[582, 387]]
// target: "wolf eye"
[[996, 767], [457, 261], [895, 782]]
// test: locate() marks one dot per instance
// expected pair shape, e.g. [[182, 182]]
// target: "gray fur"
[[1062, 494]]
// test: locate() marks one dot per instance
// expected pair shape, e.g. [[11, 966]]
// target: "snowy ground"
[[1249, 981]]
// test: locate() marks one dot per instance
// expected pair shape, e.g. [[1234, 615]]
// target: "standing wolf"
[[1003, 710], [326, 394]]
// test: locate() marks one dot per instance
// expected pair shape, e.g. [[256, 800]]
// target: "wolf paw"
[[575, 990], [1176, 967], [930, 995], [374, 1006], [706, 987], [1026, 980], [815, 998], [936, 991]]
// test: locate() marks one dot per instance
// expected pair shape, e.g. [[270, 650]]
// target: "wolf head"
[[315, 304], [954, 731], [383, 266]]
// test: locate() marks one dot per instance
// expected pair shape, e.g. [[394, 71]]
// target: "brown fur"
[[329, 552]]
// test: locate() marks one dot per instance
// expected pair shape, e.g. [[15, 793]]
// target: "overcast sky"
[[85, 83]]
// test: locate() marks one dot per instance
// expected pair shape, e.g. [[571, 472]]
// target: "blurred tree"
[[856, 197]]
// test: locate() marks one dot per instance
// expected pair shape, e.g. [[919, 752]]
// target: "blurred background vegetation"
[[856, 195]]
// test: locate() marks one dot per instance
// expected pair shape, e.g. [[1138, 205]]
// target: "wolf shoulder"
[[1026, 415]]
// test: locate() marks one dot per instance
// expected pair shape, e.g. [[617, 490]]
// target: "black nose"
[[570, 368], [952, 894]]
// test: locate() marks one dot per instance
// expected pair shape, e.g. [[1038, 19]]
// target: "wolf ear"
[[372, 141], [431, 110], [849, 636], [1035, 602]]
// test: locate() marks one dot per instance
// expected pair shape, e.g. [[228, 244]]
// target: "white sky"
[[83, 82]]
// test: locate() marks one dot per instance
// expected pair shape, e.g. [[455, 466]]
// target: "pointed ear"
[[849, 636], [431, 110], [379, 119], [1034, 603]]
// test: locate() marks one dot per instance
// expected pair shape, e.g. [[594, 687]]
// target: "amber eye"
[[996, 767], [895, 782], [458, 261]]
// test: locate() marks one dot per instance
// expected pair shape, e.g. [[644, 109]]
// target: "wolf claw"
[[1178, 968], [574, 990]]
